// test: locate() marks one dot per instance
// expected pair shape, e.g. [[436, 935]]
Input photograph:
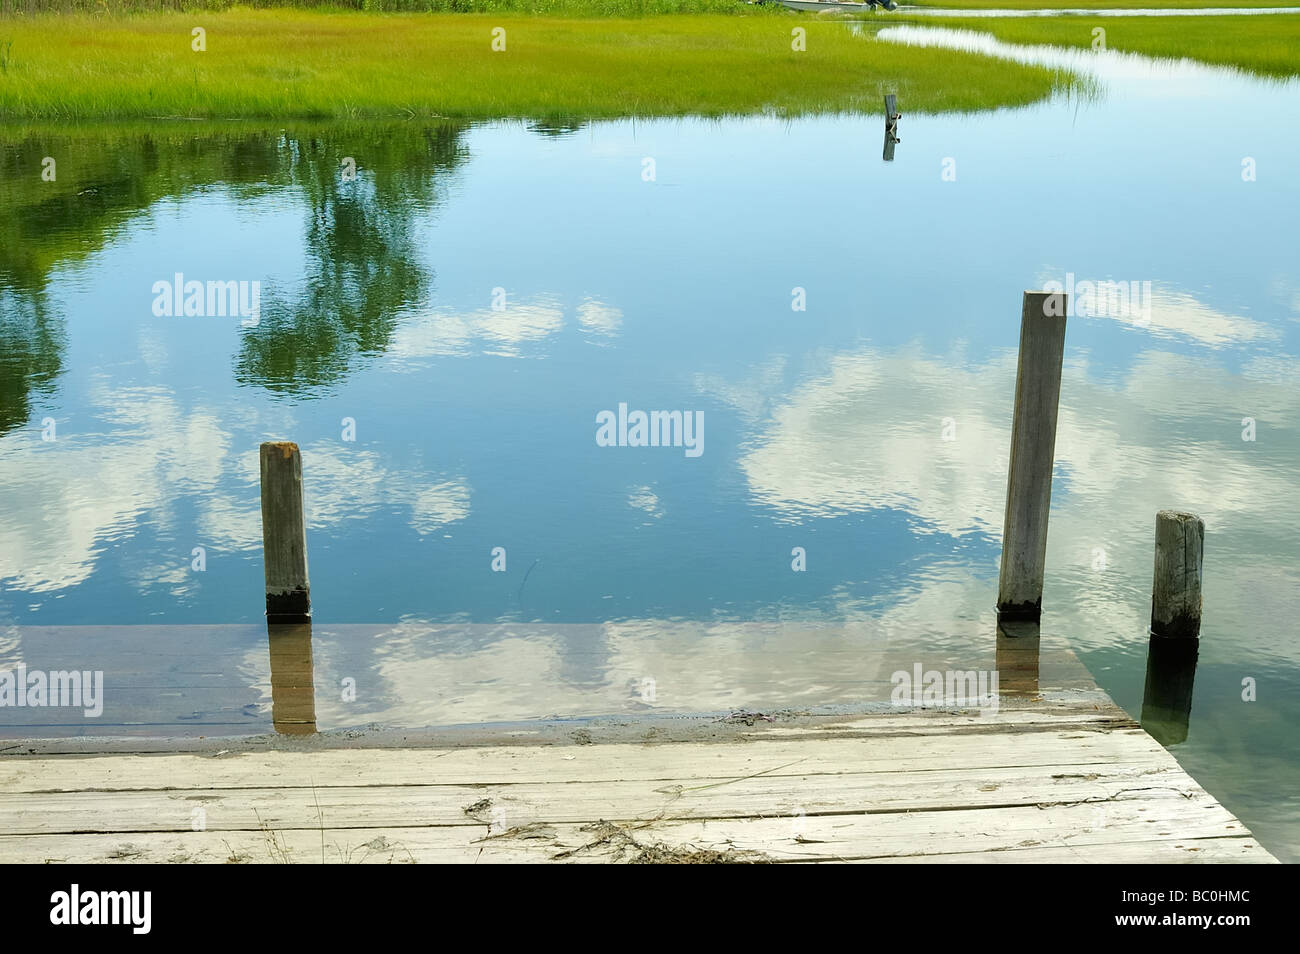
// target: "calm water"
[[478, 294]]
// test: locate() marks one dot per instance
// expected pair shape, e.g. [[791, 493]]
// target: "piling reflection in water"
[[1167, 697], [1018, 656], [293, 688]]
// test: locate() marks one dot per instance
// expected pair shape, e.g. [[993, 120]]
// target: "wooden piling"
[[284, 535], [1033, 449], [1176, 588]]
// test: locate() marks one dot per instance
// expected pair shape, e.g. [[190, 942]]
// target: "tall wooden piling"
[[284, 535], [1176, 587], [1033, 450]]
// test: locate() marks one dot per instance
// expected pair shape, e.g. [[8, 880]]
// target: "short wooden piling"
[[284, 535], [1176, 588], [1033, 450]]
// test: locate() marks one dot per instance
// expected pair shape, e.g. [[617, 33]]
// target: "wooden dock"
[[1057, 774]]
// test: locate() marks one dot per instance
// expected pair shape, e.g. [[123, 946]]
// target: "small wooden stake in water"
[[1033, 450], [1176, 590], [284, 535], [891, 126]]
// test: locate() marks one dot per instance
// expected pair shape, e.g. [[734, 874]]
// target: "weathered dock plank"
[[1043, 782], [692, 798], [784, 754]]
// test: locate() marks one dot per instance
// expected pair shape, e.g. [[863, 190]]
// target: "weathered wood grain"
[[1033, 451], [284, 534], [1176, 587]]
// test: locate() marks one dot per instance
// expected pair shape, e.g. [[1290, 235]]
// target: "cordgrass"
[[1102, 4], [573, 8], [347, 65], [1267, 45], [549, 8]]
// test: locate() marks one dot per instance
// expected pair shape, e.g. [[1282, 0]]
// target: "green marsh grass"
[[549, 8], [1267, 45], [1100, 4], [570, 8], [347, 65]]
